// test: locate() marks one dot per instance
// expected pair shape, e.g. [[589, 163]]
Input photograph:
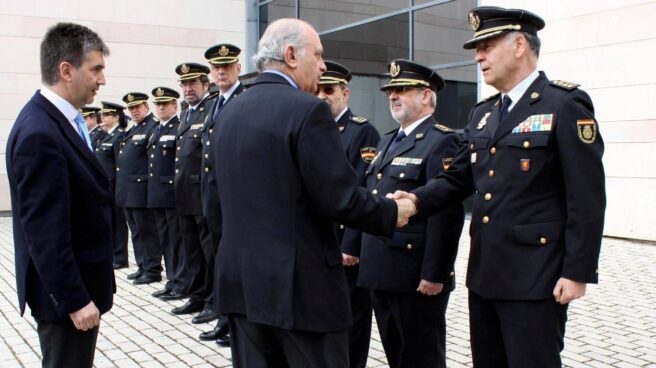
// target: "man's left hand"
[[348, 260], [430, 288], [567, 290]]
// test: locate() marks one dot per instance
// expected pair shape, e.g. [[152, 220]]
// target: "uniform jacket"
[[539, 196], [359, 139], [283, 180], [107, 151], [425, 248], [132, 165], [161, 164], [188, 159], [96, 134], [209, 195], [62, 215]]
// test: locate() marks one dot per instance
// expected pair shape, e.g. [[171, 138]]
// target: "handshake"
[[406, 204]]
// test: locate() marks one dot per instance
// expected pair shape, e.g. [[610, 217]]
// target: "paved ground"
[[613, 326]]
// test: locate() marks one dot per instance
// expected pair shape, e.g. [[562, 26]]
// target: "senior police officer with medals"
[[224, 69], [90, 115], [411, 274], [196, 238], [161, 154], [533, 161], [359, 139], [132, 181]]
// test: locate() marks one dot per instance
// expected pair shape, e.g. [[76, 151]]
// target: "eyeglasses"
[[399, 90], [189, 82], [327, 90]]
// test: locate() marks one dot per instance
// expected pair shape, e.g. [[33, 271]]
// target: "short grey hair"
[[278, 35], [433, 99], [533, 41]]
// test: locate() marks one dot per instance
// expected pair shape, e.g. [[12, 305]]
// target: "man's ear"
[[520, 45], [66, 71], [291, 56]]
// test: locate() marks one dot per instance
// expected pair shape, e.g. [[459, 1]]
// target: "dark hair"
[[533, 42], [67, 42]]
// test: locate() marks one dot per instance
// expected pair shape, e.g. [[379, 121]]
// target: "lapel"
[[209, 123], [409, 142], [156, 133], [67, 130], [381, 150], [343, 122], [522, 109], [184, 124]]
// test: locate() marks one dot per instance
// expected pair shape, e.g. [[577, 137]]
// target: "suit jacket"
[[188, 159], [359, 138], [132, 165], [209, 194], [425, 248], [106, 153], [161, 164], [62, 215], [538, 206], [283, 180]]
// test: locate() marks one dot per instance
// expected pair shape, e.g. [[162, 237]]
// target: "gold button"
[[138, 180], [151, 174], [341, 227], [526, 144], [151, 165], [117, 168], [121, 151], [493, 150], [543, 240], [471, 146], [488, 196], [176, 159], [486, 219], [375, 191], [208, 143], [211, 131], [452, 273], [170, 181], [401, 175], [207, 155], [123, 144], [379, 176], [597, 271], [177, 171], [178, 148], [152, 156], [409, 246], [207, 169], [491, 173], [195, 135]]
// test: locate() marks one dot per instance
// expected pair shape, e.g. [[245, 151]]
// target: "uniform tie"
[[505, 103], [82, 130], [218, 107], [190, 116], [399, 137]]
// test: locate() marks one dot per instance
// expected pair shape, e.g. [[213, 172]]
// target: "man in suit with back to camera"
[[132, 182], [411, 275], [533, 161], [283, 181], [359, 138], [61, 201], [224, 69]]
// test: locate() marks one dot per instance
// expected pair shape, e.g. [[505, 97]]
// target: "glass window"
[[275, 10], [325, 15]]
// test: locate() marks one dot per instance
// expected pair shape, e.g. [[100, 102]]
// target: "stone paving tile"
[[613, 326]]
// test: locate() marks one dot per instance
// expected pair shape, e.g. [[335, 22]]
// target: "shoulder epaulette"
[[443, 128], [487, 99], [565, 85], [358, 119]]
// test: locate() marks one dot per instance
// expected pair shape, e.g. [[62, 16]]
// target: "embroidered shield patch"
[[525, 164], [367, 154], [587, 130], [446, 162]]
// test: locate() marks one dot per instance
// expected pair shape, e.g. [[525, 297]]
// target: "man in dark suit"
[[196, 238], [132, 182], [61, 202], [359, 139], [533, 162], [161, 169], [411, 275], [113, 121], [283, 180], [92, 119], [225, 70]]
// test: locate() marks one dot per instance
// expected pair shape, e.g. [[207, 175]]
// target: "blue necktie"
[[218, 108], [189, 116], [399, 137], [82, 130], [505, 103]]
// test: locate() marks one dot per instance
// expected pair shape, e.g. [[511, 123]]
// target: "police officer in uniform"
[[113, 123], [411, 274], [132, 181], [161, 155], [533, 161], [224, 69], [195, 234], [91, 118], [359, 139]]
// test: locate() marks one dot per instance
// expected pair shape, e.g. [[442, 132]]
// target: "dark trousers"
[[120, 237], [516, 333], [145, 241], [360, 331], [256, 345], [63, 346], [214, 227], [198, 251], [412, 327], [168, 229]]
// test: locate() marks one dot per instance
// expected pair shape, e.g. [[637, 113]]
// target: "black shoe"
[[147, 279], [216, 333], [206, 315], [191, 306], [224, 341], [135, 275], [173, 295], [160, 293], [118, 266]]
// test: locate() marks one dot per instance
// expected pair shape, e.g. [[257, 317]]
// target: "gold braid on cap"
[[327, 80]]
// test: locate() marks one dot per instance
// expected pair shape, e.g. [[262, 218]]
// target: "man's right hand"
[[399, 194], [406, 208], [86, 318]]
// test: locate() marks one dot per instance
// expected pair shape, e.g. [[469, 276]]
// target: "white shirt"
[[232, 89], [408, 130], [66, 108], [341, 114], [288, 78], [518, 91]]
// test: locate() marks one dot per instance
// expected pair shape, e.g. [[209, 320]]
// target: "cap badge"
[[130, 98], [184, 68], [395, 70], [223, 51], [474, 21], [159, 92]]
